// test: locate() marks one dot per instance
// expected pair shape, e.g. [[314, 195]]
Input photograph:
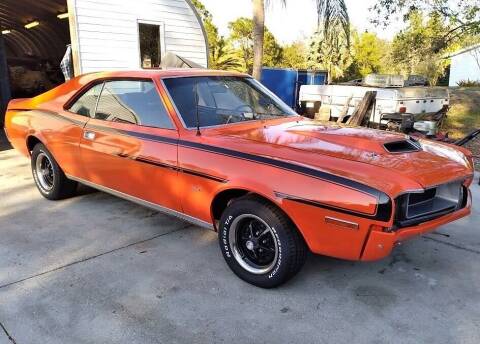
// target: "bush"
[[469, 83]]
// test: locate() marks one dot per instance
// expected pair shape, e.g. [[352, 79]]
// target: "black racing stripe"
[[154, 163], [145, 136], [384, 211], [203, 175], [382, 197], [160, 139], [20, 109], [181, 169], [156, 138], [54, 114], [311, 172]]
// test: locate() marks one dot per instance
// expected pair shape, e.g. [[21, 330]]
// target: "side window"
[[85, 105], [132, 101]]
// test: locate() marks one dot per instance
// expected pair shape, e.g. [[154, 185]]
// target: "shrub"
[[469, 83]]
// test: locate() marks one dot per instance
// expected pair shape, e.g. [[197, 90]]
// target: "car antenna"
[[196, 108]]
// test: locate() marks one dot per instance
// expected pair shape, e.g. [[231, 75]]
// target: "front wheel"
[[49, 177], [259, 243]]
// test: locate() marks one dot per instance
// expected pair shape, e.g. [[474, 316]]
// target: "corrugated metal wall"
[[107, 31]]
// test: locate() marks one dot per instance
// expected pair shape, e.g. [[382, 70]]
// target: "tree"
[[294, 56], [224, 57], [332, 16], [415, 50], [210, 28], [368, 53], [330, 52], [462, 18], [258, 36], [221, 55], [242, 37]]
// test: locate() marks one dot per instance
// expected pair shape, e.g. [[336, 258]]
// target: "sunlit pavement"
[[97, 269]]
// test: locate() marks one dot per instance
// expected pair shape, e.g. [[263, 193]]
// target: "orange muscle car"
[[221, 151]]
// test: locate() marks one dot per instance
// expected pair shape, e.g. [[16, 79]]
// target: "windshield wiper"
[[272, 114]]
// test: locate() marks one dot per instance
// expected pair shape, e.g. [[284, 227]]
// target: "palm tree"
[[224, 57], [332, 15], [258, 36]]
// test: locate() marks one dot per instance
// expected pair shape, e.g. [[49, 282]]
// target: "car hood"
[[434, 163]]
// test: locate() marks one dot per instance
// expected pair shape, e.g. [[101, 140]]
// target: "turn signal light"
[[341, 223]]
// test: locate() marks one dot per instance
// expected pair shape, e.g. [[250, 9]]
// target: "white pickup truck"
[[342, 100]]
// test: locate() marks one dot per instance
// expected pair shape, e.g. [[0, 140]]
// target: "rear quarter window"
[[85, 104]]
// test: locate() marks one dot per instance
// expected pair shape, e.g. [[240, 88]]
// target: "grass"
[[464, 114], [464, 117]]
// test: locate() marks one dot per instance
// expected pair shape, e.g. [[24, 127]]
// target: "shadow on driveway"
[[4, 144]]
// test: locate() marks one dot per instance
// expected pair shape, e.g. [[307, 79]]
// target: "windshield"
[[223, 100]]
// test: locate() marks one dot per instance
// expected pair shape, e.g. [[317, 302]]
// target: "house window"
[[150, 46]]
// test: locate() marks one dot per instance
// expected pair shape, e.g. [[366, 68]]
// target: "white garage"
[[465, 65], [103, 34], [112, 34]]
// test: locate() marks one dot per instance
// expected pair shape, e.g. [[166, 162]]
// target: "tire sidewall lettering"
[[225, 244], [279, 259], [224, 236]]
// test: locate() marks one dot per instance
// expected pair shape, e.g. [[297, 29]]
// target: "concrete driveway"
[[97, 269]]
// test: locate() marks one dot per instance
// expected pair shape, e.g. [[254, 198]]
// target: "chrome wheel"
[[44, 172], [254, 244]]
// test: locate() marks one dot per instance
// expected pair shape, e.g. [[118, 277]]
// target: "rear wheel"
[[49, 177], [259, 243]]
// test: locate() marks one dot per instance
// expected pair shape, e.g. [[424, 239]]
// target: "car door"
[[64, 141], [130, 144]]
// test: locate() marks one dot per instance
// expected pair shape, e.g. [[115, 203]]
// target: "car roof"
[[164, 73], [81, 80]]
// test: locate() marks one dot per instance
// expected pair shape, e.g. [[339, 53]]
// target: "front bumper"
[[380, 244]]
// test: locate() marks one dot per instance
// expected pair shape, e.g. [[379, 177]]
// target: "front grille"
[[415, 208]]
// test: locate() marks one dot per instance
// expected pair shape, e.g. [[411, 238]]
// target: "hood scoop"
[[402, 146]]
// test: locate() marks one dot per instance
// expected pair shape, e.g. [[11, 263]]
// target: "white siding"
[[107, 32], [465, 67]]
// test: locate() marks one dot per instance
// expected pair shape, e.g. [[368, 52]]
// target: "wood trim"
[[74, 40]]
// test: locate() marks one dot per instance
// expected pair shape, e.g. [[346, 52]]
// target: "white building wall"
[[465, 67], [107, 32]]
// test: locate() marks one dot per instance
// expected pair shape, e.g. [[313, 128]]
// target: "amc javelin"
[[218, 149]]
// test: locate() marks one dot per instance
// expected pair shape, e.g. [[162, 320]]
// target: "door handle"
[[89, 135]]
